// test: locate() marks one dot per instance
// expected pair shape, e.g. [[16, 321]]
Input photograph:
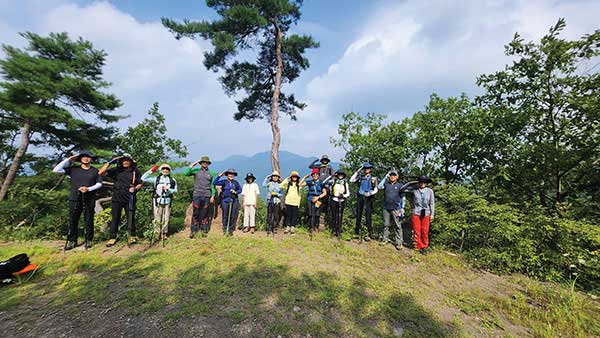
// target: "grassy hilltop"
[[254, 286]]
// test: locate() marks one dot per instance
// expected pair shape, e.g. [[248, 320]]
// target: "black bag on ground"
[[12, 265]]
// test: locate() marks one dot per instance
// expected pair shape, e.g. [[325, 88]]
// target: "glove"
[[154, 169]]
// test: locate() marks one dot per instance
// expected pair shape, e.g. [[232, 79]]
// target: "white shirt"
[[250, 191]]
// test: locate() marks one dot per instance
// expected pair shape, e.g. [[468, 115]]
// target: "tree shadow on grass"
[[128, 297]]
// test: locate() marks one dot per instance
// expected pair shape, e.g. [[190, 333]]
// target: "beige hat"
[[275, 173], [165, 165]]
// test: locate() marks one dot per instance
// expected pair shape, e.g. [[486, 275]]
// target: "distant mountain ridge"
[[260, 164]]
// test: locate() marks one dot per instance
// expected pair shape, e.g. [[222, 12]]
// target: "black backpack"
[[12, 265], [171, 183]]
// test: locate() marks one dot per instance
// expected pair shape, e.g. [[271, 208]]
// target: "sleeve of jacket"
[[146, 177], [313, 164], [190, 171], [213, 191], [347, 190], [265, 182], [354, 177], [381, 184], [375, 190], [174, 189], [432, 203], [60, 168]]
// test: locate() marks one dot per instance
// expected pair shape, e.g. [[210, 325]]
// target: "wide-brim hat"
[[340, 172], [231, 171], [250, 175], [325, 157], [85, 153], [205, 159], [367, 165], [275, 173], [127, 156], [294, 173], [424, 179], [393, 173], [165, 166]]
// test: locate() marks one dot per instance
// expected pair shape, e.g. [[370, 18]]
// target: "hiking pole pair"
[[230, 206]]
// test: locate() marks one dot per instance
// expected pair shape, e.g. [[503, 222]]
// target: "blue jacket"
[[315, 188], [226, 188]]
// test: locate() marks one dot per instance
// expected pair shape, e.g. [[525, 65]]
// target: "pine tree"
[[49, 90], [247, 24]]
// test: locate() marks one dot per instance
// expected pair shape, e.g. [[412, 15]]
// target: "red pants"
[[421, 231]]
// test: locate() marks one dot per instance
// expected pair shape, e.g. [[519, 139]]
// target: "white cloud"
[[405, 51], [409, 49]]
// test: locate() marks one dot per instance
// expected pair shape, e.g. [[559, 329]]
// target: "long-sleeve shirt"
[[162, 197], [203, 181], [339, 188], [274, 191], [292, 195], [227, 186], [80, 178], [394, 198], [367, 183], [423, 199]]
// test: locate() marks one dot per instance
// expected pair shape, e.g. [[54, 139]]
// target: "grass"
[[292, 287]]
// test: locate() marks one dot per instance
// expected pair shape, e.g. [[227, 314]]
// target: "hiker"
[[291, 186], [250, 192], [316, 194], [203, 195], [164, 186], [127, 182], [231, 189], [274, 205], [325, 171], [423, 212], [366, 193], [340, 191], [85, 180], [393, 207]]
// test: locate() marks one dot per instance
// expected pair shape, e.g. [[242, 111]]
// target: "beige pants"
[[162, 220], [249, 216]]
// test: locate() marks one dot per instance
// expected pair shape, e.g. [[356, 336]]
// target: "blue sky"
[[375, 56]]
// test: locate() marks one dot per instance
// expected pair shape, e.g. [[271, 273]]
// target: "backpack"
[[13, 265], [171, 183]]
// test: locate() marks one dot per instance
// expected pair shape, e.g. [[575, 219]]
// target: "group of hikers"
[[327, 193]]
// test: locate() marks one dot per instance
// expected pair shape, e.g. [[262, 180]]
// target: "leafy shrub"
[[505, 239]]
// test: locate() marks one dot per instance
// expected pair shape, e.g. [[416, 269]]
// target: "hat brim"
[[427, 180], [209, 162], [231, 173]]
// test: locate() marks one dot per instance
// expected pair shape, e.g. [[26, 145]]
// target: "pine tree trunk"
[[16, 162], [275, 102]]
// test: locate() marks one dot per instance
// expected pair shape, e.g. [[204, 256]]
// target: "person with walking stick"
[[127, 182], [231, 189], [315, 194], [85, 180], [274, 196], [366, 194], [164, 187], [203, 196], [340, 193]]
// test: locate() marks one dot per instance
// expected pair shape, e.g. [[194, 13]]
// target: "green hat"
[[205, 159]]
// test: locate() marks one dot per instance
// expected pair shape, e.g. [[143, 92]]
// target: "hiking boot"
[[165, 235], [287, 230], [293, 230], [245, 230], [88, 244], [191, 235], [132, 240], [111, 242], [384, 242], [251, 230], [423, 251], [70, 245], [367, 239]]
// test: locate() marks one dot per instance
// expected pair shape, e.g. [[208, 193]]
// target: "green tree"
[[544, 116], [48, 91], [148, 140], [261, 25], [444, 138], [369, 138]]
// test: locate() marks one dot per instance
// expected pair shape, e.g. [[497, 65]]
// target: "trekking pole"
[[162, 224], [130, 208], [340, 219], [230, 205]]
